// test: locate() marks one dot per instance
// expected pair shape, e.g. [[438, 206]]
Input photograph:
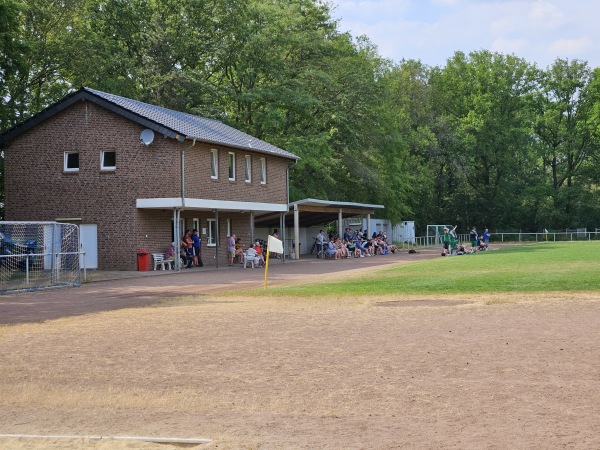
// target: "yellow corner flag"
[[273, 245]]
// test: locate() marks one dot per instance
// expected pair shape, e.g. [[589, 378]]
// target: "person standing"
[[446, 241], [320, 241], [473, 236], [486, 237], [197, 244], [231, 248], [276, 236], [188, 244], [453, 239]]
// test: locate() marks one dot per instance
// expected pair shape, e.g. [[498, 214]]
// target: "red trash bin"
[[143, 259]]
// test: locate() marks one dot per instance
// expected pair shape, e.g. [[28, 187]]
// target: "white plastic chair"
[[159, 260]]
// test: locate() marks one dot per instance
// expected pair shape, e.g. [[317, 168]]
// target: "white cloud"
[[432, 30], [570, 46], [544, 14]]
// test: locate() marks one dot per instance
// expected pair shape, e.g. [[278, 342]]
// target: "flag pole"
[[267, 265]]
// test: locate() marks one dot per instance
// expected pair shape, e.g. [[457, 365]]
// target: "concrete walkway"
[[109, 290]]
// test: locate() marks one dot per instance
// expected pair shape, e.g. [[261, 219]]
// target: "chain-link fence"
[[36, 255]]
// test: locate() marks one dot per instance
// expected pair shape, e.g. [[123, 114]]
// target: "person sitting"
[[360, 249], [347, 234], [331, 250], [382, 244], [239, 250], [368, 245], [170, 252], [376, 250], [344, 253], [351, 246], [392, 248], [252, 256], [259, 253], [480, 243]]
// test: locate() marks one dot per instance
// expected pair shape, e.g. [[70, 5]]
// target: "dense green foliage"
[[542, 267], [487, 140]]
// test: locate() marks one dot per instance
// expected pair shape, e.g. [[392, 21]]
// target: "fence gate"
[[35, 255]]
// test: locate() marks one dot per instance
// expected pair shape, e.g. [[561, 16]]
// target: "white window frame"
[[211, 229], [66, 158], [248, 169], [214, 164], [263, 170], [105, 167], [228, 227], [231, 165], [196, 225]]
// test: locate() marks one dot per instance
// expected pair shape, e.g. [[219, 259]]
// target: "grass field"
[[570, 266]]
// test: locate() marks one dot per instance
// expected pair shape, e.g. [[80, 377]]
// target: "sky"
[[539, 31]]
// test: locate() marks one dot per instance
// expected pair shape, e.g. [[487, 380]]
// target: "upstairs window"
[[248, 169], [108, 160], [214, 164], [71, 163], [231, 163], [263, 171]]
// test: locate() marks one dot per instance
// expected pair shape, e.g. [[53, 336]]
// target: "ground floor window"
[[211, 229]]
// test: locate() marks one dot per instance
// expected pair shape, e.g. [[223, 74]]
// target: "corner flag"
[[273, 245]]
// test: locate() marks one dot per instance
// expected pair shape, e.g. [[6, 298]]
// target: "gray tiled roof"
[[193, 127]]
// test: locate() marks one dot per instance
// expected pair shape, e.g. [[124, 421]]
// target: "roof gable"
[[173, 124]]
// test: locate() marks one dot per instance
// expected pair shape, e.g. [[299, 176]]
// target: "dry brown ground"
[[495, 372]]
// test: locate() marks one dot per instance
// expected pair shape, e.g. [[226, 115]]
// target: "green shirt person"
[[446, 241]]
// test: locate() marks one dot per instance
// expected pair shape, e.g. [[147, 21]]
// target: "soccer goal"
[[36, 255], [435, 233]]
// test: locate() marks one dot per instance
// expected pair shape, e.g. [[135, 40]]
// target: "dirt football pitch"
[[193, 356]]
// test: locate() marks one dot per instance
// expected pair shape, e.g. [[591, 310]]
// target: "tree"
[[566, 142], [483, 101]]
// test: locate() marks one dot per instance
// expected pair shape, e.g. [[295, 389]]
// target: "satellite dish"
[[147, 136]]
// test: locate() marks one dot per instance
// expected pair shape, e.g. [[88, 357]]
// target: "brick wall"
[[198, 183], [37, 187]]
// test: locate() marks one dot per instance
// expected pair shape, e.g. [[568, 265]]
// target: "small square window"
[[71, 163], [109, 160]]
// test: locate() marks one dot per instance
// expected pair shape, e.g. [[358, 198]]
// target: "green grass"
[[527, 268]]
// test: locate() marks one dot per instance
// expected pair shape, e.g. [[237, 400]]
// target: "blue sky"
[[432, 30]]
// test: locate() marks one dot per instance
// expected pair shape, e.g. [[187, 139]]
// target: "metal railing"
[[501, 237]]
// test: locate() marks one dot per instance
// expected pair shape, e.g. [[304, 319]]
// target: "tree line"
[[487, 139]]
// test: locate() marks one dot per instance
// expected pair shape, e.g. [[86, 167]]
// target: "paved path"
[[106, 291]]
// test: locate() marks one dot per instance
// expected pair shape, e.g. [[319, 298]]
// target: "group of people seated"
[[254, 253], [353, 244]]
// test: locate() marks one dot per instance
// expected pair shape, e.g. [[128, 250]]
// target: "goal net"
[[36, 255]]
